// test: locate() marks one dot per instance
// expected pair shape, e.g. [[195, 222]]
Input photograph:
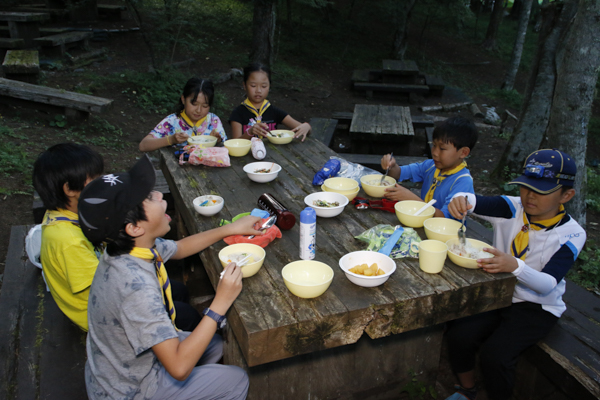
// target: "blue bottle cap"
[[308, 216]]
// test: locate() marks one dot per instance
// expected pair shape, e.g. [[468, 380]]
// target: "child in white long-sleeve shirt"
[[538, 242]]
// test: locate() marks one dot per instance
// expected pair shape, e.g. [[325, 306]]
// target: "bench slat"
[[63, 38], [391, 87], [55, 97]]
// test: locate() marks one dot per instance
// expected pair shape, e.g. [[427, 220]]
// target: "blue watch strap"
[[219, 319]]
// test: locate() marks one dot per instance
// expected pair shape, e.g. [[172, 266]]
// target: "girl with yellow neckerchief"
[[193, 118], [256, 116]]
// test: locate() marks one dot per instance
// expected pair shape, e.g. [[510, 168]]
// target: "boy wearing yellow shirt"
[[68, 258]]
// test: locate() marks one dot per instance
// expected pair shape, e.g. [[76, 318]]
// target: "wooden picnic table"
[[24, 25], [379, 129], [350, 339]]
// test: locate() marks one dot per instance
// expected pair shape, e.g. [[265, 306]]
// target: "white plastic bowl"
[[259, 176], [355, 258], [327, 212], [208, 210]]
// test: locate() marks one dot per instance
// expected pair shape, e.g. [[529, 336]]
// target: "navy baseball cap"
[[545, 171], [105, 202]]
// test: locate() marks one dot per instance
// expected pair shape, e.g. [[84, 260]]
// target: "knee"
[[240, 389], [494, 359]]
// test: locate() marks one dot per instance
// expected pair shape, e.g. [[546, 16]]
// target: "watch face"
[[222, 323]]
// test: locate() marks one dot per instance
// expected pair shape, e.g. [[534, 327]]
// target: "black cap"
[[105, 202], [545, 171]]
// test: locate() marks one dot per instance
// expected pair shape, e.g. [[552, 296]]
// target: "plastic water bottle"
[[308, 232]]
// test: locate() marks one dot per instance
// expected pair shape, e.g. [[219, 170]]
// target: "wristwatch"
[[221, 320]]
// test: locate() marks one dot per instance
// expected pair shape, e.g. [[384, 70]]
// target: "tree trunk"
[[578, 61], [403, 12], [513, 66], [489, 43], [263, 32], [537, 102]]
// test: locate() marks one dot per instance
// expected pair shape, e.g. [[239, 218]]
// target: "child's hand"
[[458, 207], [216, 134], [247, 225], [501, 262], [259, 129], [399, 193], [179, 138], [228, 289], [388, 161], [301, 130]]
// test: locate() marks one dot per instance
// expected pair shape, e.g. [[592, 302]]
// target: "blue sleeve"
[[561, 262], [415, 172], [494, 206], [463, 183]]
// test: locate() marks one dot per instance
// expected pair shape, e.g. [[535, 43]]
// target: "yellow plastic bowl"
[[307, 278], [442, 229], [350, 196], [465, 262], [251, 268], [405, 210], [341, 185], [203, 140], [371, 186], [286, 136], [237, 147]]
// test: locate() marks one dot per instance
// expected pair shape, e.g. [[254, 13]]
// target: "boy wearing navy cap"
[[538, 242], [134, 349]]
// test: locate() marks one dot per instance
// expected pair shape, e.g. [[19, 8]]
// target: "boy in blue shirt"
[[134, 349], [538, 242], [442, 176]]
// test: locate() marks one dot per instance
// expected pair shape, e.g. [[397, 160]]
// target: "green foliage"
[[586, 272], [510, 190], [59, 121], [418, 390], [97, 132], [594, 129], [14, 160], [512, 98], [593, 190]]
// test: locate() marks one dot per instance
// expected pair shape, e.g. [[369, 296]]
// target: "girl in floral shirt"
[[193, 118]]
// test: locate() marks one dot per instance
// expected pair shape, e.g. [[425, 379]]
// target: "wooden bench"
[[22, 65], [72, 104], [24, 25], [371, 87], [42, 351], [436, 85], [59, 44], [12, 43], [323, 129]]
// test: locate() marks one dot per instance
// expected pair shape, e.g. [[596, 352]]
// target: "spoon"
[[268, 223], [420, 210], [391, 242], [462, 237], [387, 170]]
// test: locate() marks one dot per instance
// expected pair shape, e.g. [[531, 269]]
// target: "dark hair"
[[69, 163], [124, 243], [254, 67], [459, 131], [195, 86]]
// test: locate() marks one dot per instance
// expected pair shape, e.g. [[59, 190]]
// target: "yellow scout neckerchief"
[[520, 243], [53, 217], [438, 178], [161, 274], [261, 110], [191, 124]]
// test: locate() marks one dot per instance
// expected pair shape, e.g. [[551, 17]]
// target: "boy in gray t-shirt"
[[134, 349]]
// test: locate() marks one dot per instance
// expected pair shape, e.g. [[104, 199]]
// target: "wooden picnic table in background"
[[24, 26], [379, 129], [296, 348]]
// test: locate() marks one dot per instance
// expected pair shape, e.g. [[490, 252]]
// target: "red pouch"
[[260, 240]]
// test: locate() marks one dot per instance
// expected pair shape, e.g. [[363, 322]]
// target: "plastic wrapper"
[[210, 156], [260, 240], [330, 169], [352, 170], [379, 234]]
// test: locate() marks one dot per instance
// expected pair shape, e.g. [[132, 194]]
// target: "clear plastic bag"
[[379, 234], [353, 170]]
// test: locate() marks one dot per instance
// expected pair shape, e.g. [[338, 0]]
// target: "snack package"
[[211, 156], [379, 234], [258, 148], [260, 240], [331, 168]]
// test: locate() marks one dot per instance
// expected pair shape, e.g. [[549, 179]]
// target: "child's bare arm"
[[180, 358], [236, 130], [150, 143], [399, 193], [198, 242], [387, 161], [300, 129], [458, 207]]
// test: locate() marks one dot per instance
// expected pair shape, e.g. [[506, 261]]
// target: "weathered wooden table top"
[[381, 119], [23, 16], [269, 322]]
